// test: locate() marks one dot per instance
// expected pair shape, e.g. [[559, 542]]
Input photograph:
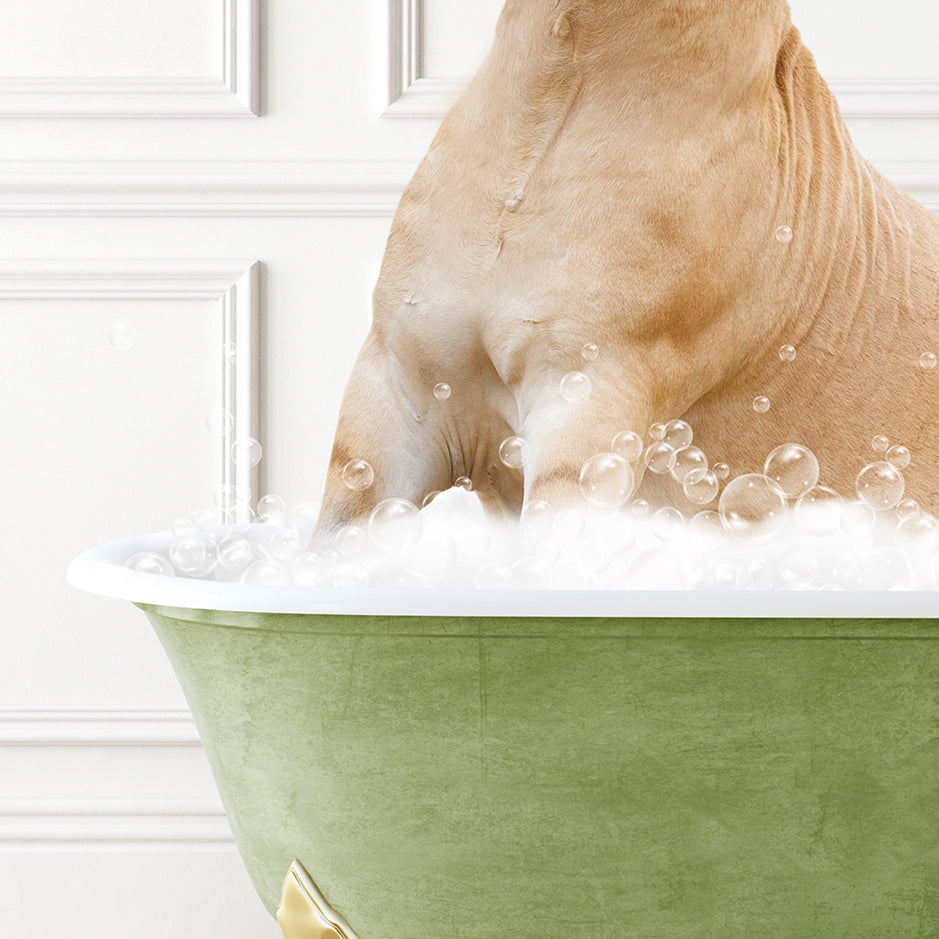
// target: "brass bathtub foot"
[[304, 913]]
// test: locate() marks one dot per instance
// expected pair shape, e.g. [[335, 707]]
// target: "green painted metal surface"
[[547, 778]]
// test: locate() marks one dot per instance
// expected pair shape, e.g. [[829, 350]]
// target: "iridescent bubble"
[[590, 352], [394, 524], [752, 507], [708, 528], [784, 234], [628, 445], [668, 524], [150, 562], [659, 457], [576, 387], [442, 391], [798, 566], [927, 360], [793, 468], [907, 508], [286, 543], [463, 482], [880, 485], [235, 554], [537, 515], [220, 422], [515, 452], [678, 435], [721, 470], [189, 552], [898, 456], [351, 541], [818, 511], [309, 570], [761, 404], [656, 431], [246, 451], [122, 336], [787, 353], [606, 479], [358, 475], [690, 465], [494, 576], [271, 508], [266, 572], [701, 489], [880, 443]]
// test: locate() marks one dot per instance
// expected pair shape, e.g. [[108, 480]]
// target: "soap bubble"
[[753, 507], [639, 508], [880, 443], [463, 482], [857, 518], [678, 435], [220, 422], [442, 391], [429, 498], [235, 554], [898, 456], [182, 525], [918, 529], [494, 576], [884, 569], [394, 524], [701, 489], [434, 555], [818, 511], [348, 575], [784, 234], [907, 508], [793, 468], [229, 352], [272, 508], [880, 485], [358, 475], [606, 479], [690, 465], [246, 451], [569, 525], [286, 543], [265, 572], [787, 353], [309, 570], [149, 562], [223, 495], [190, 553], [530, 574], [721, 470], [628, 445], [657, 431], [799, 566], [927, 360], [668, 524], [304, 512], [659, 457], [758, 574], [761, 404], [122, 336], [707, 528], [515, 452], [590, 352], [537, 516], [576, 387]]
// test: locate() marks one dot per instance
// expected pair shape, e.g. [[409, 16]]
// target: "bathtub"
[[450, 764]]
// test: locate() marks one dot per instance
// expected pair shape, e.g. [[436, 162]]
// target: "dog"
[[669, 181]]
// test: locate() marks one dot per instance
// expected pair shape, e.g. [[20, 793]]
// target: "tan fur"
[[615, 174]]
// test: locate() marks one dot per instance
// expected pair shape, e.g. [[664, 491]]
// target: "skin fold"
[[616, 174]]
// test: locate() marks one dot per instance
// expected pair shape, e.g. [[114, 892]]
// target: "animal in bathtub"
[[670, 181]]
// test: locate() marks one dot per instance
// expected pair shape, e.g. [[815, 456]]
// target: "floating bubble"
[[189, 553], [753, 507], [266, 572], [394, 524], [818, 511], [576, 387], [590, 352], [246, 451], [690, 465], [784, 234], [351, 541], [606, 479], [286, 543], [494, 576], [358, 475], [880, 443], [429, 498], [442, 391], [272, 508], [220, 422], [799, 566], [707, 528], [537, 516], [880, 485], [309, 570], [639, 508], [656, 431], [907, 508], [463, 482], [701, 489], [761, 404], [721, 470], [235, 554], [787, 353], [927, 360], [898, 456], [793, 468], [569, 525], [668, 524], [628, 445], [917, 530], [122, 336], [678, 435], [659, 457], [150, 562], [515, 452], [182, 525], [857, 518]]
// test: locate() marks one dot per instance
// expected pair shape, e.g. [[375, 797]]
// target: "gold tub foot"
[[304, 913]]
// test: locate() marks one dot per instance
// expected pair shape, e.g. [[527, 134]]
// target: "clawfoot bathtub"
[[537, 765]]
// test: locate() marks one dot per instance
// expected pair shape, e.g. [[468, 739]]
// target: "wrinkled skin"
[[615, 174]]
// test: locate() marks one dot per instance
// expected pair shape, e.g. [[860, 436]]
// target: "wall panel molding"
[[234, 93], [233, 285], [83, 728]]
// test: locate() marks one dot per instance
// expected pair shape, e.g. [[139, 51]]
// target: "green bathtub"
[[567, 775]]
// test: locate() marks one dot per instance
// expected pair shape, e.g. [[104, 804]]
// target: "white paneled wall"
[[211, 171]]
